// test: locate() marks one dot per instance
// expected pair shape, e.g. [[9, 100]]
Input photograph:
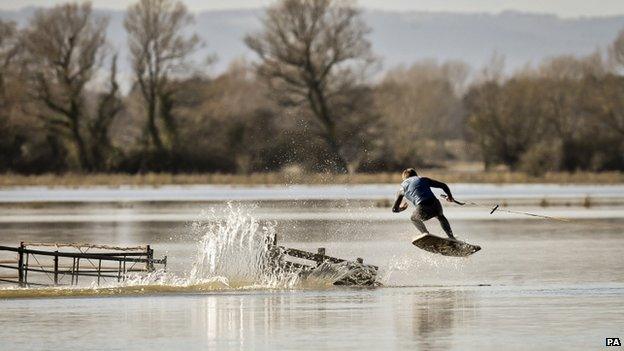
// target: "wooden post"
[[320, 251], [20, 264], [149, 265], [56, 267], [99, 270], [73, 269], [124, 269], [77, 270], [26, 269], [119, 272]]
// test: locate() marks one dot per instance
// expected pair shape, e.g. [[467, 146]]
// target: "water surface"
[[537, 284]]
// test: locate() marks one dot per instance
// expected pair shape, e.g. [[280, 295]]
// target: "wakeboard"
[[445, 246]]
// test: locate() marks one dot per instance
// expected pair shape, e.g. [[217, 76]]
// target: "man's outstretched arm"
[[435, 184], [397, 207]]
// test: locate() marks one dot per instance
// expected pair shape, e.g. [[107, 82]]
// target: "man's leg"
[[446, 226], [418, 223]]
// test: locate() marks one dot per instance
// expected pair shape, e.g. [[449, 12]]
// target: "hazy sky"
[[564, 8]]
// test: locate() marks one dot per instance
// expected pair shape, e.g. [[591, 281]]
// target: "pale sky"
[[562, 8]]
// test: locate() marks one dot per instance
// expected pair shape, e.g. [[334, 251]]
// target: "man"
[[418, 191]]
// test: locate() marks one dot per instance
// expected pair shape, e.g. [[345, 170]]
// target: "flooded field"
[[537, 284]]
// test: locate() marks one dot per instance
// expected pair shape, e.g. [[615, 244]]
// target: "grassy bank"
[[153, 179]]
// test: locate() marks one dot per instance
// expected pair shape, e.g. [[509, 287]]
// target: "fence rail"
[[362, 274], [125, 260]]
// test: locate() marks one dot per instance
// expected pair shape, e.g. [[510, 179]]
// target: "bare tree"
[[504, 119], [109, 105], [159, 48], [493, 70], [9, 81], [617, 49], [422, 109], [66, 46], [9, 48], [309, 51], [564, 100], [613, 95], [572, 67], [606, 101]]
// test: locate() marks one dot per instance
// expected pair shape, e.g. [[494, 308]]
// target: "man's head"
[[410, 172]]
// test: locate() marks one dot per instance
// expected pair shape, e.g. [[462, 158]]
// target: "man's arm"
[[435, 184], [398, 206]]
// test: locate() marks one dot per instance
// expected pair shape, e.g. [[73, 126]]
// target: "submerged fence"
[[68, 264], [33, 265], [290, 259]]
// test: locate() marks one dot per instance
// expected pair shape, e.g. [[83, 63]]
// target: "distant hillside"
[[401, 38]]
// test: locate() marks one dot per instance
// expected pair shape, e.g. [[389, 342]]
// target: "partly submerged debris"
[[309, 264]]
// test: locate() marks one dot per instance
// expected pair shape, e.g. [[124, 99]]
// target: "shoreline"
[[78, 180], [373, 195]]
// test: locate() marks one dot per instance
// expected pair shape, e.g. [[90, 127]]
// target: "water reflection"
[[435, 317], [424, 320], [281, 319]]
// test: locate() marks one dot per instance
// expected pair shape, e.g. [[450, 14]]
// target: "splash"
[[237, 251], [232, 252]]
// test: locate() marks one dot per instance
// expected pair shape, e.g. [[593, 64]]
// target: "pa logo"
[[613, 342]]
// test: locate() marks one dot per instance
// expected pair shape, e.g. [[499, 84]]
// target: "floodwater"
[[536, 284]]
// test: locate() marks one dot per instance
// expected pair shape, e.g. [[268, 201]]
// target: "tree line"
[[313, 97]]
